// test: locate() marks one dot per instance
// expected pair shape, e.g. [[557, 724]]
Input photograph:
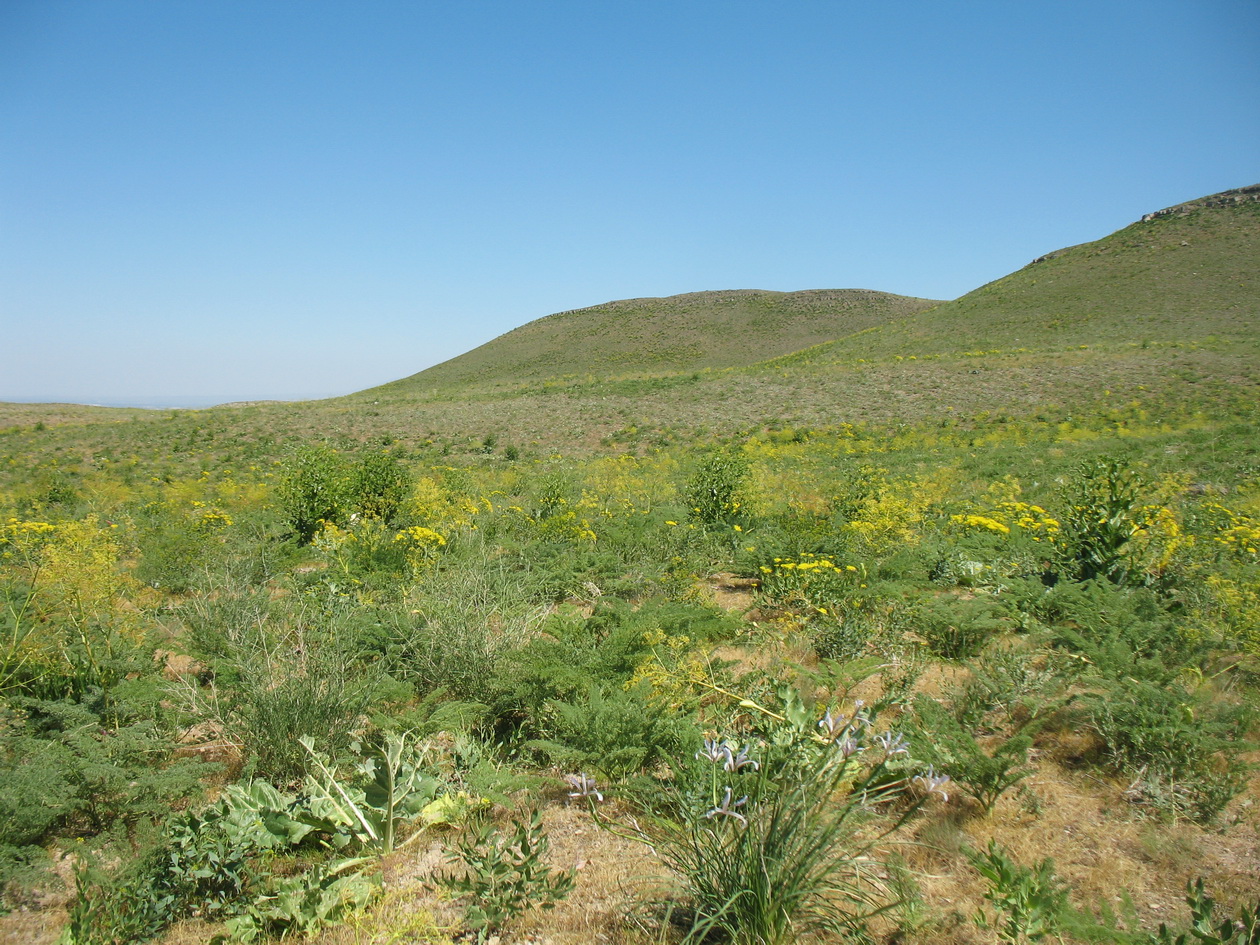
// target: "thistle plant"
[[391, 786]]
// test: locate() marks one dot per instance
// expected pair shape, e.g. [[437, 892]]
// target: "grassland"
[[1022, 528]]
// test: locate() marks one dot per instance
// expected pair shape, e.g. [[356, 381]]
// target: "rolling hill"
[[1180, 274], [656, 336], [1162, 313]]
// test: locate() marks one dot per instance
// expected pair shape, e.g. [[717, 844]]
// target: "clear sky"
[[245, 199]]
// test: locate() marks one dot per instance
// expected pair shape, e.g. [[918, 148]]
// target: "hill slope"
[[1159, 317], [1182, 274], [662, 336]]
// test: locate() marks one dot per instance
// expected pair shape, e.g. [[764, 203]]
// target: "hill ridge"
[[1226, 198], [651, 336]]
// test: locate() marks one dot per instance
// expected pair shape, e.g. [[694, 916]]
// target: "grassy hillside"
[[1184, 275], [657, 336], [1157, 320], [1159, 317]]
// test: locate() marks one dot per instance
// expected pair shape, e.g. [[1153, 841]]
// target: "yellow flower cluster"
[[981, 522], [433, 504], [15, 528], [1030, 520], [22, 537], [563, 524], [1236, 610], [807, 562], [420, 537], [421, 545], [1245, 538], [809, 577], [329, 537], [892, 514], [211, 518], [1157, 538], [1239, 533]]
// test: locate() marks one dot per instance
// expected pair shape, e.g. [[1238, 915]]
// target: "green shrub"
[[379, 485], [276, 682], [715, 493], [986, 772], [271, 715], [609, 730], [504, 872], [98, 771], [1122, 632], [37, 793], [313, 489], [445, 647], [1185, 753], [1019, 682], [956, 628], [133, 905], [171, 556], [847, 629], [554, 491], [1030, 903]]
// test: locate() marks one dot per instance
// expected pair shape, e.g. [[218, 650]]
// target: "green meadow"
[[740, 617]]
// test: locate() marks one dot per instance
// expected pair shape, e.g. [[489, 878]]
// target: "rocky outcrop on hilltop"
[[1226, 198]]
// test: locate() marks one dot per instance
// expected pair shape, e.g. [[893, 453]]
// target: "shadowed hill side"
[[1183, 274], [660, 336]]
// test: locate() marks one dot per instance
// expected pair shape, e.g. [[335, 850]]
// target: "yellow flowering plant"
[[67, 581], [1233, 532], [420, 545], [814, 581]]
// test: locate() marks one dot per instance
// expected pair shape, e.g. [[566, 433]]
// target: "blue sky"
[[211, 201]]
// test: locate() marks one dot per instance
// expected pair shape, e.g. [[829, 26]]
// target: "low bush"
[[714, 495], [958, 628], [1029, 902], [985, 771], [1184, 753], [504, 872], [612, 731]]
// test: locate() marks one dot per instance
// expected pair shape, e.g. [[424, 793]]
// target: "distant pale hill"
[[656, 336]]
